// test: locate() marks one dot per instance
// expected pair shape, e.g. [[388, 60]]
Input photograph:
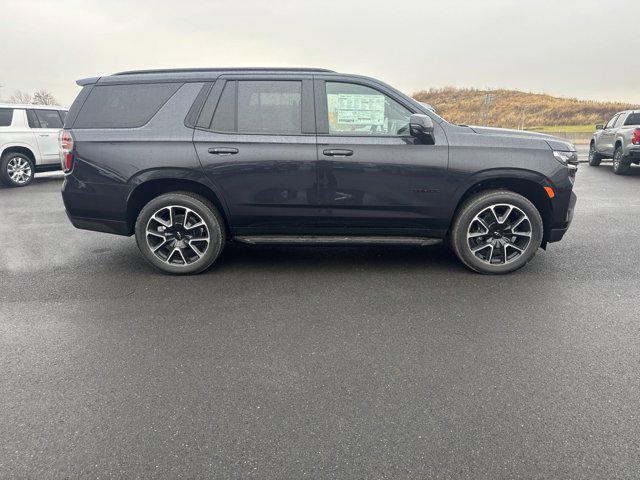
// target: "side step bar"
[[334, 240]]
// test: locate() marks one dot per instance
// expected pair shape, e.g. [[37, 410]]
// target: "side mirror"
[[599, 127], [421, 125]]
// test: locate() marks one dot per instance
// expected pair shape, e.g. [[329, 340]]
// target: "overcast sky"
[[575, 48]]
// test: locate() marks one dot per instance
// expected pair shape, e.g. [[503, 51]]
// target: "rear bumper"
[[100, 225], [94, 206]]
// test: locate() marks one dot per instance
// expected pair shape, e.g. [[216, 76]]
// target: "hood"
[[554, 142]]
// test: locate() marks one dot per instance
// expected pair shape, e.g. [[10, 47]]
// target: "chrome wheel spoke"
[[499, 234], [177, 235]]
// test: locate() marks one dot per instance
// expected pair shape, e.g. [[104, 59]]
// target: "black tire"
[[594, 157], [513, 247], [171, 208], [620, 165], [16, 170]]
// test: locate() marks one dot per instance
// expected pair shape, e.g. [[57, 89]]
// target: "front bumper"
[[556, 234]]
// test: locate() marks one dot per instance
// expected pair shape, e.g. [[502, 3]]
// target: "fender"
[[495, 175]]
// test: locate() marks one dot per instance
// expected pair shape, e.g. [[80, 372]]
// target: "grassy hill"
[[515, 109]]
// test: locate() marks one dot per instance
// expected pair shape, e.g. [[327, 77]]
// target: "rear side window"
[[270, 107], [260, 107], [6, 117], [124, 106], [633, 119], [48, 118]]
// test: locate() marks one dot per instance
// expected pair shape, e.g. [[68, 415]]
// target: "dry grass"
[[515, 109]]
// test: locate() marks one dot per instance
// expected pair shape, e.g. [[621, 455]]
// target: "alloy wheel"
[[19, 170], [616, 159], [177, 235], [499, 234]]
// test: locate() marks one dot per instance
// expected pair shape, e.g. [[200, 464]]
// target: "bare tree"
[[20, 97], [43, 97]]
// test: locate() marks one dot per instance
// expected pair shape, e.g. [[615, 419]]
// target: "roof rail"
[[243, 69]]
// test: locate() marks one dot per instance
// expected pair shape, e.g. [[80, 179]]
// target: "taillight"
[[636, 137], [65, 140]]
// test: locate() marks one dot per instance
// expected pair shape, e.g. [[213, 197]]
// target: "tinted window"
[[6, 117], [49, 118], [270, 107], [33, 119], [359, 110], [633, 119], [224, 119], [63, 115], [123, 106]]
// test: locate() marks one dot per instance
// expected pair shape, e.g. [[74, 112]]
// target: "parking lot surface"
[[291, 362]]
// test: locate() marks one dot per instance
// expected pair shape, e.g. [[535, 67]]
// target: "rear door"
[[255, 138], [46, 125], [375, 178]]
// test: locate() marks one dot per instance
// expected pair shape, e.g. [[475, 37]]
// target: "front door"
[[256, 141], [374, 178], [606, 138]]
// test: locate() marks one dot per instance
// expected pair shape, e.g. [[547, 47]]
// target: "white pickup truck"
[[28, 141], [619, 139]]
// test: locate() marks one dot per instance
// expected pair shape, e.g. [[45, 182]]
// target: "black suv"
[[188, 160]]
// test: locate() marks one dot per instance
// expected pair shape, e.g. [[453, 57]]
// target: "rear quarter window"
[[6, 117], [123, 106]]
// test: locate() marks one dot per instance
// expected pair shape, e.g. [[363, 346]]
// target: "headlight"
[[568, 159]]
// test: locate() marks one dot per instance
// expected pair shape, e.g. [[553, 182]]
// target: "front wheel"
[[496, 232], [620, 166], [180, 233], [16, 170], [594, 157]]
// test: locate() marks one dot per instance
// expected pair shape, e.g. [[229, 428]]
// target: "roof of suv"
[[191, 74], [31, 106]]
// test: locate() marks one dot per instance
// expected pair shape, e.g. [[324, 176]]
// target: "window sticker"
[[353, 110]]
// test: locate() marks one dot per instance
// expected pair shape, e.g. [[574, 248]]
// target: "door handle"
[[337, 153], [44, 135], [223, 151]]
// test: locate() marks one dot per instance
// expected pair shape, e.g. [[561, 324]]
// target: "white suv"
[[28, 141]]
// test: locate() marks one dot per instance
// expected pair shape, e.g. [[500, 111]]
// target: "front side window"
[[48, 118], [619, 121], [611, 122], [359, 110], [6, 117]]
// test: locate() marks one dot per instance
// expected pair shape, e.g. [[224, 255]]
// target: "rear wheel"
[[496, 232], [180, 233], [620, 165], [594, 157], [16, 170]]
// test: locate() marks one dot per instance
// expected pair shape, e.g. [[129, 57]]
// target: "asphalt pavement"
[[298, 362]]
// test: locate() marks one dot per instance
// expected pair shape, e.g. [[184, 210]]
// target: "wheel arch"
[[530, 185], [150, 186], [619, 143], [19, 148]]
